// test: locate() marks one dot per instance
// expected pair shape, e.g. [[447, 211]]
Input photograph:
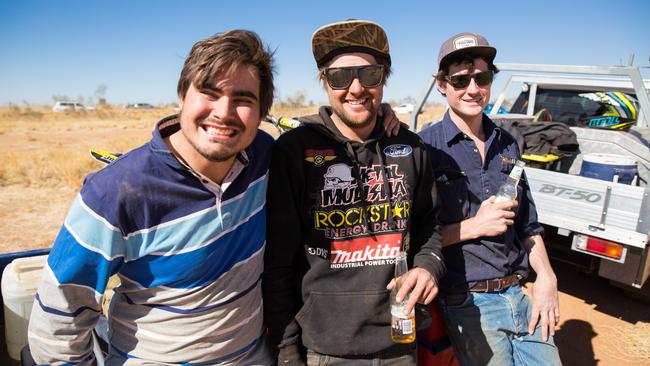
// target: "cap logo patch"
[[465, 42]]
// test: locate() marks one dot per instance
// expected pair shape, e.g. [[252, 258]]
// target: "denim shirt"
[[463, 182]]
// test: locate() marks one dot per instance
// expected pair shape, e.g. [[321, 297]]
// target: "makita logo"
[[369, 253], [366, 249]]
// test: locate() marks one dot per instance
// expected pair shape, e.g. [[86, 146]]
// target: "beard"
[[352, 123], [216, 156]]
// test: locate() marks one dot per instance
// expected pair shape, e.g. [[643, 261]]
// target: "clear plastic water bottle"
[[508, 190]]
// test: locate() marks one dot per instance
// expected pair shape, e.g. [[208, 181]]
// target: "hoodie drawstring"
[[351, 153]]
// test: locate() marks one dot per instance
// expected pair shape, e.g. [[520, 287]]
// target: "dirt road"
[[600, 326]]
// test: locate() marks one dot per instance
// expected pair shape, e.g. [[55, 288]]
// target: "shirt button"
[[487, 191], [475, 150]]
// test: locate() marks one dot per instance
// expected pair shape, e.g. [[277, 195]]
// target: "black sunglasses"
[[369, 76], [462, 81]]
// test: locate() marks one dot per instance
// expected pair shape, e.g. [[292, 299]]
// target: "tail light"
[[600, 247]]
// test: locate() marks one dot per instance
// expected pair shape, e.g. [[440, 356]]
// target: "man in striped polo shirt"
[[181, 222]]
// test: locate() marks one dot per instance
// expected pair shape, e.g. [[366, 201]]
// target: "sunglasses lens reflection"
[[459, 81], [462, 81], [341, 77], [370, 77], [483, 78]]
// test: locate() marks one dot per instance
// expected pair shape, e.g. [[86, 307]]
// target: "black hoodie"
[[333, 231]]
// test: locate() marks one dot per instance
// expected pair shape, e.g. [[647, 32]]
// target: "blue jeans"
[[492, 329]]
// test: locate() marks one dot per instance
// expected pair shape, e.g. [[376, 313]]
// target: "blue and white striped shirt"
[[189, 260]]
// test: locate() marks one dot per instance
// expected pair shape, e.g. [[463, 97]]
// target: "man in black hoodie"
[[343, 199]]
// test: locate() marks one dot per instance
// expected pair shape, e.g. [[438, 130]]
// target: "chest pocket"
[[452, 195]]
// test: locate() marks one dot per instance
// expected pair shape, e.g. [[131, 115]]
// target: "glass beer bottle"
[[402, 328], [508, 191]]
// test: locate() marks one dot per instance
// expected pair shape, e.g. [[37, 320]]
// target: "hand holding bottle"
[[508, 191], [402, 320], [496, 213], [418, 285], [408, 287], [492, 218]]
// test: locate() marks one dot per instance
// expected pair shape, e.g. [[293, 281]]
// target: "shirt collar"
[[450, 130], [452, 133]]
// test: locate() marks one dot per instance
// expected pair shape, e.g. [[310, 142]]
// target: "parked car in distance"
[[68, 106], [139, 106], [404, 108]]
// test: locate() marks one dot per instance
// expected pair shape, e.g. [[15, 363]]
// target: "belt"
[[496, 284]]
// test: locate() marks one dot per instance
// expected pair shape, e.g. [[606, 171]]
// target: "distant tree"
[[298, 100], [100, 94], [409, 100], [60, 98]]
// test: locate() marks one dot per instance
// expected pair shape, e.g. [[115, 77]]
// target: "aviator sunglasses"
[[462, 81], [369, 76]]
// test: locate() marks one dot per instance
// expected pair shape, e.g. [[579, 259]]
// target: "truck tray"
[[608, 210]]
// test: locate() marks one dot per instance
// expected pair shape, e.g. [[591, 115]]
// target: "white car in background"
[[404, 108], [68, 106], [139, 106]]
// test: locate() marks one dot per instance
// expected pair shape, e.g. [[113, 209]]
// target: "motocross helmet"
[[615, 110]]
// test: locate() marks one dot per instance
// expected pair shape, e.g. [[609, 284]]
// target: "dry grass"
[[55, 166], [45, 157], [41, 118], [46, 149]]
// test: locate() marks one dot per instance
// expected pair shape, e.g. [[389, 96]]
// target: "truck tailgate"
[[611, 211]]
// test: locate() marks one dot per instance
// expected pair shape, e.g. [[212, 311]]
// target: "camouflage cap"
[[466, 42], [349, 36]]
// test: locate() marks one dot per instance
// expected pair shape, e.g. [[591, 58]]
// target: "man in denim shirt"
[[488, 246]]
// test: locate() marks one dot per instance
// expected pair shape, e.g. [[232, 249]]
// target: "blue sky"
[[137, 48]]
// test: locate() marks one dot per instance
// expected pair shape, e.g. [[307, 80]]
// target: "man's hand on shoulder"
[[419, 283], [391, 123]]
